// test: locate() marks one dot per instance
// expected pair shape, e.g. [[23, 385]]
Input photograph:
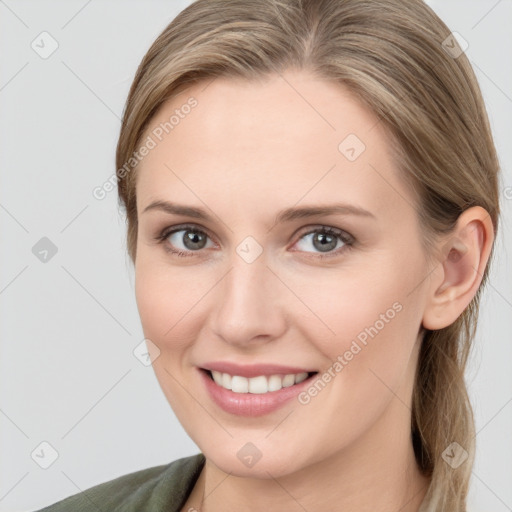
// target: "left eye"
[[322, 240]]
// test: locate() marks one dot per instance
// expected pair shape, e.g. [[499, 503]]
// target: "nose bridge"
[[247, 303]]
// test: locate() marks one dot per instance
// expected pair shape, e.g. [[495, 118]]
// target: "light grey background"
[[69, 326]]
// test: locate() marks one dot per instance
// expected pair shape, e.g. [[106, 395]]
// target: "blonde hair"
[[401, 61]]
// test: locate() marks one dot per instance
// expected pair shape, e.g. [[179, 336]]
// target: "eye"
[[325, 240], [184, 240]]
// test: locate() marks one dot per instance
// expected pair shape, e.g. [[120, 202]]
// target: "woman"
[[311, 198]]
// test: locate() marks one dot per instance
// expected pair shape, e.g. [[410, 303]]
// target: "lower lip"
[[251, 404]]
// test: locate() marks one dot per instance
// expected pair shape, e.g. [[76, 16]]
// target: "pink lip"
[[253, 370], [251, 404]]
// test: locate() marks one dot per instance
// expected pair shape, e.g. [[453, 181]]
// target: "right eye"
[[184, 240]]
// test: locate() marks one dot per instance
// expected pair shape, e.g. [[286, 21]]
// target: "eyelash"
[[347, 239]]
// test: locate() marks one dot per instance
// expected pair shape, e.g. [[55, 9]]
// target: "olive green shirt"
[[158, 489]]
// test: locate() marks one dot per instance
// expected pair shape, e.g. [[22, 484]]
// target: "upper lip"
[[253, 370]]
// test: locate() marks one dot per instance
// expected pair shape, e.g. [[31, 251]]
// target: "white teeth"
[[300, 377], [289, 380], [226, 380], [275, 383], [239, 384], [257, 385], [217, 377]]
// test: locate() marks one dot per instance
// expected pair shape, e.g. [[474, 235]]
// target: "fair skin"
[[246, 152]]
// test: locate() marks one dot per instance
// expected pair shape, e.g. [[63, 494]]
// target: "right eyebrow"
[[178, 209]]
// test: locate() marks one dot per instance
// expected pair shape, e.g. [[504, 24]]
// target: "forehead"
[[283, 137]]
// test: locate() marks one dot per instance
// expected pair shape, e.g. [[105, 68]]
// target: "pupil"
[[325, 242]]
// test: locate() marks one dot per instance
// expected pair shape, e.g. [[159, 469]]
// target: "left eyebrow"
[[303, 212]]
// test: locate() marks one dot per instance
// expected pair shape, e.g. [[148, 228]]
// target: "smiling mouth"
[[261, 384]]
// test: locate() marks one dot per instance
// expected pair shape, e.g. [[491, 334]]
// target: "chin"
[[253, 460]]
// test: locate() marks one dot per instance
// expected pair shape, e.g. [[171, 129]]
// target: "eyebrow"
[[286, 215]]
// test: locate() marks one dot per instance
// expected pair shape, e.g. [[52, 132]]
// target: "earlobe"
[[462, 262]]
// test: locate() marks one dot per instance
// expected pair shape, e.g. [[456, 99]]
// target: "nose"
[[248, 304]]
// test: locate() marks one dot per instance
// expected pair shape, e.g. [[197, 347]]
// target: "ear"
[[462, 261]]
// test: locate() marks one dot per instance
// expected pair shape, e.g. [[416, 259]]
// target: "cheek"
[[376, 324], [342, 303], [171, 313], [169, 302], [367, 316]]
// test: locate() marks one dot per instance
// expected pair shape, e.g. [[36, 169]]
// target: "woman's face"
[[265, 168]]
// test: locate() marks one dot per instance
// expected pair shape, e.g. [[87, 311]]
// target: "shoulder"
[[155, 489]]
